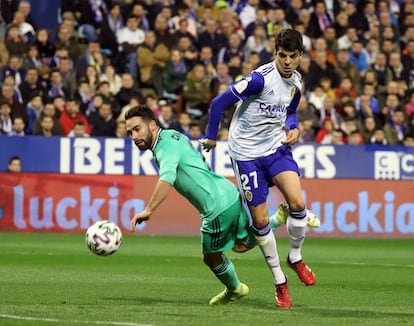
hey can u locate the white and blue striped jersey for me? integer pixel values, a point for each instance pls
(267, 103)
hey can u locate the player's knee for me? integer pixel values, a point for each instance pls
(212, 259)
(297, 204)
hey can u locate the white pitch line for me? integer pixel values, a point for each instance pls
(53, 320)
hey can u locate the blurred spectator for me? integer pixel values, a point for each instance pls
(174, 75)
(14, 68)
(188, 51)
(398, 70)
(166, 119)
(102, 121)
(255, 42)
(132, 103)
(248, 13)
(183, 15)
(347, 69)
(197, 93)
(91, 57)
(128, 90)
(14, 165)
(320, 44)
(337, 137)
(104, 90)
(66, 39)
(50, 111)
(378, 137)
(71, 115)
(89, 15)
(32, 87)
(409, 139)
(154, 104)
(319, 19)
(184, 120)
(84, 94)
(396, 128)
(17, 108)
(355, 138)
(68, 74)
(346, 86)
(368, 128)
(46, 126)
(319, 68)
(212, 38)
(56, 86)
(79, 130)
(114, 79)
(162, 31)
(409, 106)
(112, 22)
(121, 131)
(18, 127)
(6, 126)
(317, 96)
(223, 77)
(33, 109)
(26, 30)
(324, 135)
(234, 47)
(194, 131)
(128, 38)
(152, 59)
(206, 59)
(32, 58)
(45, 47)
(92, 77)
(358, 57)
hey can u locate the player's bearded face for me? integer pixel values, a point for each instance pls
(287, 61)
(140, 132)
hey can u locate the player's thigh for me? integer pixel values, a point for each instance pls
(251, 181)
(288, 182)
(219, 234)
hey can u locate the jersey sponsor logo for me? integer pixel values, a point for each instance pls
(272, 110)
(241, 86)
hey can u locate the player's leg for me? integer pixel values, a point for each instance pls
(218, 236)
(254, 188)
(289, 184)
(280, 217)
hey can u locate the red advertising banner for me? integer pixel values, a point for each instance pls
(70, 203)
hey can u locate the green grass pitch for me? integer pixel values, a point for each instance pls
(50, 279)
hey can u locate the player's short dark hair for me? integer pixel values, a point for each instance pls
(14, 158)
(143, 111)
(289, 40)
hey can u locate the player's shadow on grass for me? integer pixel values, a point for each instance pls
(154, 300)
(362, 314)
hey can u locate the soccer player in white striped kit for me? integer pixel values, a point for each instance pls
(263, 129)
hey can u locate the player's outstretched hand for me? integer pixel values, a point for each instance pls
(292, 137)
(207, 144)
(139, 218)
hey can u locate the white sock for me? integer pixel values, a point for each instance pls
(296, 229)
(268, 246)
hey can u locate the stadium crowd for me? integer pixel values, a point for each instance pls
(105, 57)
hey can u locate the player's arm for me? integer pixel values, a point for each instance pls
(242, 90)
(160, 193)
(168, 159)
(292, 121)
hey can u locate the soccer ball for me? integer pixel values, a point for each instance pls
(103, 238)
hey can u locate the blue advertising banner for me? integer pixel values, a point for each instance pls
(118, 156)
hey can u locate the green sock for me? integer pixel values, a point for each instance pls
(226, 273)
(274, 224)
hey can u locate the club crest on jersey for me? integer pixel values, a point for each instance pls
(292, 91)
(248, 195)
